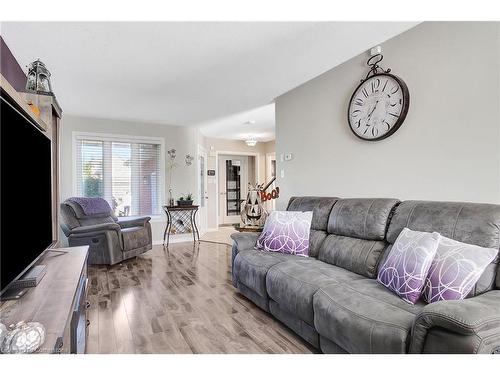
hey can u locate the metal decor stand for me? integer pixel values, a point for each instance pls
(180, 219)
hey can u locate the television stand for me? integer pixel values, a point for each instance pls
(59, 302)
(13, 293)
(60, 251)
(30, 279)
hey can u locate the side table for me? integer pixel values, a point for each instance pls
(248, 228)
(180, 219)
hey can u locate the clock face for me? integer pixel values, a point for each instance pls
(378, 107)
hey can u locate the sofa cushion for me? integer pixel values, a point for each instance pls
(329, 347)
(316, 238)
(364, 218)
(353, 254)
(320, 206)
(293, 284)
(262, 302)
(301, 328)
(251, 266)
(472, 223)
(80, 214)
(362, 316)
(68, 218)
(93, 220)
(135, 238)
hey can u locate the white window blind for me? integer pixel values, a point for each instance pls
(126, 173)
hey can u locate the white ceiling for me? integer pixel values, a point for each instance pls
(237, 126)
(188, 73)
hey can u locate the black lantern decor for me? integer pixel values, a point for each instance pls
(38, 80)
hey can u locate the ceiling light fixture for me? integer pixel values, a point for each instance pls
(251, 142)
(249, 122)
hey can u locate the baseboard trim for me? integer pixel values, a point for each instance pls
(175, 238)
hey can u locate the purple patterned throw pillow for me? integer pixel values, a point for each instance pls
(286, 232)
(405, 268)
(455, 270)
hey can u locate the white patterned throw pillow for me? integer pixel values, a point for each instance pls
(405, 268)
(455, 270)
(286, 232)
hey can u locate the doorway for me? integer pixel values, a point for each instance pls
(202, 189)
(270, 174)
(234, 174)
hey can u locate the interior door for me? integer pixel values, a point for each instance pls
(202, 189)
(233, 181)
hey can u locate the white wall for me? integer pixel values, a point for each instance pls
(183, 139)
(447, 149)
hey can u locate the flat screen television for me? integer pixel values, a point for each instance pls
(25, 193)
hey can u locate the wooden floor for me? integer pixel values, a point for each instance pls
(223, 235)
(179, 300)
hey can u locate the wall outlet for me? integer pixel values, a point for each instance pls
(282, 173)
(288, 157)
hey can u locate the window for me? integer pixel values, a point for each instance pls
(125, 172)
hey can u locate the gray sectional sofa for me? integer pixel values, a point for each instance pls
(333, 300)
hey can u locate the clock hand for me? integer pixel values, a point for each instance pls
(370, 114)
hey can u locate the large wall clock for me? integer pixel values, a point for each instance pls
(379, 104)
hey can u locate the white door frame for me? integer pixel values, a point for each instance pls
(235, 153)
(202, 222)
(244, 167)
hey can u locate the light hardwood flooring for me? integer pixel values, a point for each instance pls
(223, 235)
(179, 300)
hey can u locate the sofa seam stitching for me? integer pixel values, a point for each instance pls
(366, 217)
(483, 338)
(369, 319)
(410, 214)
(357, 291)
(337, 216)
(305, 282)
(456, 221)
(367, 256)
(472, 326)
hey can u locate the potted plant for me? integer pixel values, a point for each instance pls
(185, 200)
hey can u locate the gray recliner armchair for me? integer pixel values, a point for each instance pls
(110, 239)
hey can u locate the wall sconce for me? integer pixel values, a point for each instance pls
(189, 160)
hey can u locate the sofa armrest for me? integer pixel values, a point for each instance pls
(245, 240)
(133, 222)
(477, 317)
(241, 241)
(89, 230)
